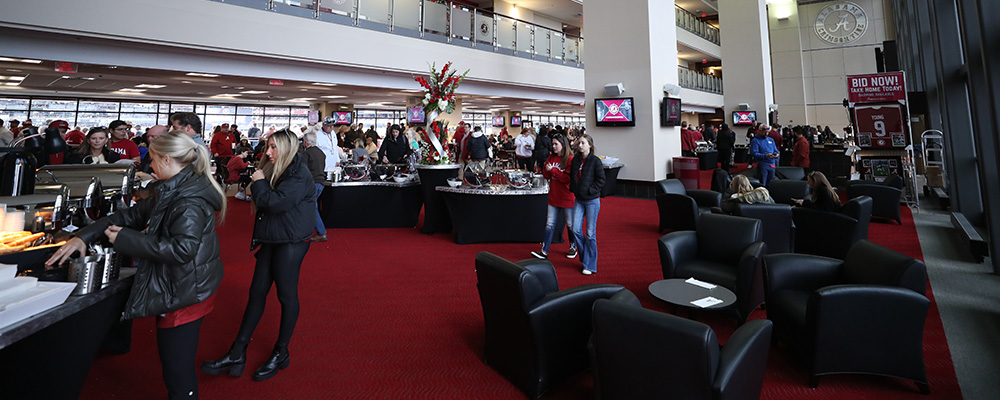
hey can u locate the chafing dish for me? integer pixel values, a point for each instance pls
(46, 210)
(116, 182)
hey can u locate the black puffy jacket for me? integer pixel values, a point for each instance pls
(172, 234)
(587, 183)
(286, 213)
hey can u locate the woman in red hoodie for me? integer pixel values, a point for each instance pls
(561, 199)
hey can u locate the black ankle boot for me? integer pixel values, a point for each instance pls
(234, 361)
(278, 361)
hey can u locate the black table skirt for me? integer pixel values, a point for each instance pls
(610, 181)
(474, 217)
(708, 160)
(370, 206)
(436, 217)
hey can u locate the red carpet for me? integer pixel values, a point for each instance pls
(392, 313)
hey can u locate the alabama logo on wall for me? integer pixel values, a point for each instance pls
(841, 23)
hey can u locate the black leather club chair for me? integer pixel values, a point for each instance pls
(721, 179)
(784, 190)
(776, 223)
(725, 250)
(885, 196)
(680, 207)
(790, 173)
(864, 314)
(831, 234)
(645, 354)
(536, 334)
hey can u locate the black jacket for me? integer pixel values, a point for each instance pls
(286, 213)
(72, 157)
(726, 140)
(824, 201)
(478, 147)
(316, 161)
(172, 233)
(395, 150)
(542, 147)
(587, 183)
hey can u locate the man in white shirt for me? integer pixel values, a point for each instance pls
(522, 152)
(326, 140)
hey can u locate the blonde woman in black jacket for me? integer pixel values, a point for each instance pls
(586, 180)
(172, 234)
(284, 196)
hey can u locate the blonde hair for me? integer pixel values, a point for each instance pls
(286, 145)
(819, 179)
(740, 185)
(180, 147)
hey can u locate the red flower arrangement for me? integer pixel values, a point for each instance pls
(440, 87)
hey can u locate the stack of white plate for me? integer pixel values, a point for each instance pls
(23, 296)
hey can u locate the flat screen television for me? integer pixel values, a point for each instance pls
(515, 120)
(670, 112)
(415, 115)
(744, 117)
(499, 121)
(342, 117)
(615, 112)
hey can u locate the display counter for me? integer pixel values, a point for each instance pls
(611, 179)
(496, 214)
(370, 204)
(436, 216)
(48, 355)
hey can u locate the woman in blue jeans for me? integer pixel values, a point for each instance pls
(561, 200)
(586, 180)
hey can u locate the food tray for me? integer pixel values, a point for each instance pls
(43, 297)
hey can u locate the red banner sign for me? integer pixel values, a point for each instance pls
(876, 88)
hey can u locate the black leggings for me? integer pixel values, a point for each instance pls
(277, 263)
(177, 347)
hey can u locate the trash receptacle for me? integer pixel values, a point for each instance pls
(686, 170)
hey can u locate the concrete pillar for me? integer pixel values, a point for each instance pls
(633, 42)
(787, 66)
(746, 58)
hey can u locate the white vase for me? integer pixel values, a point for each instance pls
(435, 141)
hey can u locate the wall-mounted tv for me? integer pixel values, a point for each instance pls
(415, 115)
(615, 112)
(342, 117)
(499, 121)
(670, 112)
(744, 117)
(515, 120)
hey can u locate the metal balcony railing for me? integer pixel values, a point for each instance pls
(691, 23)
(699, 81)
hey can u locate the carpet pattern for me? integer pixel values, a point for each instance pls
(394, 314)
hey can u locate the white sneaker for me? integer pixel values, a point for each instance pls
(242, 196)
(588, 272)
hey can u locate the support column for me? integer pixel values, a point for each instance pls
(633, 42)
(787, 65)
(747, 56)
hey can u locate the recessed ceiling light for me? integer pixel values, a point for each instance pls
(185, 81)
(324, 84)
(13, 70)
(239, 88)
(334, 97)
(201, 74)
(11, 78)
(11, 83)
(65, 77)
(131, 90)
(228, 95)
(87, 78)
(413, 91)
(254, 91)
(150, 86)
(224, 87)
(496, 97)
(303, 99)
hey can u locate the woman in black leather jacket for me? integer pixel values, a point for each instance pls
(586, 180)
(172, 234)
(395, 147)
(284, 196)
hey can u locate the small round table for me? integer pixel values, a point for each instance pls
(680, 293)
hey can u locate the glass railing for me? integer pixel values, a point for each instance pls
(693, 24)
(445, 21)
(698, 81)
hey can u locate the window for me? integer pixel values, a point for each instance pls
(100, 106)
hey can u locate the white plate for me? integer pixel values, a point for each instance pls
(40, 298)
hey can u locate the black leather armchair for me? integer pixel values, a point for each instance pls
(864, 314)
(535, 333)
(784, 190)
(831, 234)
(885, 198)
(645, 354)
(680, 207)
(725, 250)
(791, 173)
(776, 223)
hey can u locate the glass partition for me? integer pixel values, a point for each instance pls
(484, 28)
(505, 32)
(302, 3)
(339, 7)
(555, 45)
(572, 49)
(406, 14)
(524, 31)
(461, 22)
(435, 17)
(695, 80)
(693, 24)
(374, 10)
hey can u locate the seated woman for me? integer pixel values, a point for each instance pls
(371, 147)
(358, 153)
(237, 167)
(743, 192)
(93, 150)
(824, 197)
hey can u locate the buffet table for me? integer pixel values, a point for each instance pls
(496, 214)
(48, 355)
(370, 204)
(436, 216)
(611, 178)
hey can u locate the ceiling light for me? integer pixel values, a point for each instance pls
(303, 99)
(239, 88)
(254, 91)
(185, 81)
(324, 84)
(413, 90)
(495, 97)
(204, 75)
(224, 87)
(227, 95)
(87, 78)
(149, 86)
(65, 77)
(11, 78)
(334, 97)
(531, 108)
(13, 70)
(11, 83)
(131, 90)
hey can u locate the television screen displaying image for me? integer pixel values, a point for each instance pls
(614, 112)
(515, 120)
(342, 117)
(670, 112)
(499, 121)
(744, 117)
(415, 115)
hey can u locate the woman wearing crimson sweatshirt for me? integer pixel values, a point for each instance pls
(561, 199)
